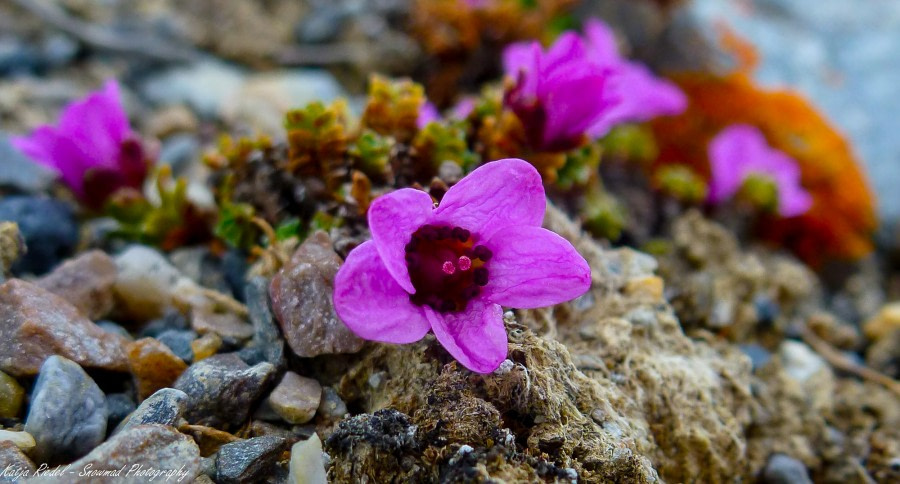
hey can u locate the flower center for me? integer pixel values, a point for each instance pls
(446, 267)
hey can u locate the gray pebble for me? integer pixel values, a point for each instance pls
(68, 412)
(783, 469)
(118, 406)
(222, 390)
(266, 334)
(48, 227)
(248, 460)
(165, 407)
(179, 341)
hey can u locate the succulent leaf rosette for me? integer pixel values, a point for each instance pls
(450, 268)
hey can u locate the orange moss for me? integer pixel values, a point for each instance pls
(842, 218)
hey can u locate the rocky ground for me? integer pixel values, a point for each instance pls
(713, 360)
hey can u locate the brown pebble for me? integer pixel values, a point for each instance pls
(206, 346)
(35, 324)
(296, 398)
(86, 282)
(153, 365)
(226, 325)
(301, 300)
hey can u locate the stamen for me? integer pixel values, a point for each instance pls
(448, 267)
(481, 276)
(483, 253)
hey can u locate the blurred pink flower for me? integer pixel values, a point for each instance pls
(449, 269)
(92, 148)
(428, 113)
(741, 151)
(580, 88)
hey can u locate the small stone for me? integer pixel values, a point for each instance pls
(146, 447)
(307, 462)
(171, 119)
(85, 281)
(248, 460)
(153, 365)
(296, 398)
(301, 300)
(332, 406)
(758, 355)
(178, 151)
(884, 323)
(206, 346)
(12, 246)
(265, 97)
(22, 440)
(164, 407)
(11, 396)
(223, 389)
(48, 227)
(266, 334)
(115, 328)
(203, 86)
(209, 440)
(36, 323)
(18, 172)
(647, 288)
(179, 341)
(147, 283)
(800, 362)
(234, 270)
(118, 407)
(784, 469)
(172, 319)
(15, 461)
(227, 325)
(450, 172)
(68, 412)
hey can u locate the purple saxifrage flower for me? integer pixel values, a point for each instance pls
(92, 148)
(451, 268)
(428, 113)
(580, 88)
(740, 151)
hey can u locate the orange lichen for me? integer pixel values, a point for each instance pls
(840, 223)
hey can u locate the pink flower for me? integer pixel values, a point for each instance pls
(92, 148)
(581, 88)
(428, 113)
(741, 151)
(463, 108)
(449, 269)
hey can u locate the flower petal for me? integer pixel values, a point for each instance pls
(568, 49)
(641, 96)
(793, 199)
(47, 147)
(97, 124)
(476, 337)
(428, 113)
(372, 304)
(730, 153)
(496, 195)
(574, 98)
(392, 219)
(533, 267)
(521, 62)
(601, 42)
